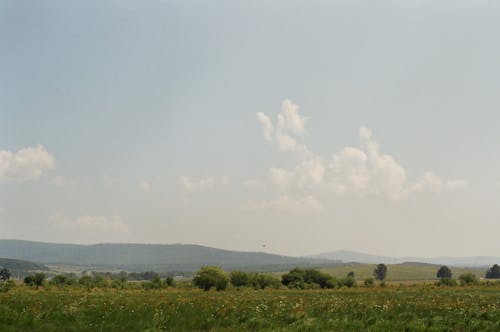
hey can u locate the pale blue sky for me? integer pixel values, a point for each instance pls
(147, 111)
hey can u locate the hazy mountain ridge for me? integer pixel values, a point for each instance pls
(162, 257)
(353, 256)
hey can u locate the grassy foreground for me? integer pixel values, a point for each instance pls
(416, 308)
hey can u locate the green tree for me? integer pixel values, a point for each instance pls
(5, 274)
(87, 282)
(169, 281)
(211, 276)
(35, 280)
(444, 272)
(380, 272)
(294, 278)
(493, 272)
(240, 278)
(262, 281)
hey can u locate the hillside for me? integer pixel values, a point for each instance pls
(157, 257)
(20, 265)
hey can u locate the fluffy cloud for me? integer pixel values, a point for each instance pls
(91, 223)
(289, 124)
(286, 204)
(367, 171)
(25, 164)
(433, 183)
(358, 171)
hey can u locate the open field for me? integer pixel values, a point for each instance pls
(416, 308)
(399, 272)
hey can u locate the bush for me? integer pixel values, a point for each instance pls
(310, 278)
(35, 280)
(6, 286)
(211, 276)
(169, 281)
(240, 279)
(369, 282)
(62, 280)
(468, 279)
(446, 282)
(262, 281)
(119, 284)
(87, 282)
(294, 278)
(4, 274)
(347, 282)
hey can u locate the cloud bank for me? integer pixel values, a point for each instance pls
(353, 171)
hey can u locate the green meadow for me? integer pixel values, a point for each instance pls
(422, 307)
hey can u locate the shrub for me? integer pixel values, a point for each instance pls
(369, 282)
(310, 278)
(6, 286)
(35, 280)
(446, 282)
(468, 279)
(62, 280)
(262, 281)
(211, 276)
(294, 278)
(169, 281)
(87, 282)
(240, 279)
(347, 282)
(5, 274)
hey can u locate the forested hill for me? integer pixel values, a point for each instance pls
(20, 265)
(149, 256)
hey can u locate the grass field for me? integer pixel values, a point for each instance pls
(399, 272)
(416, 308)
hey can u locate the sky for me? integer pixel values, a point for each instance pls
(291, 127)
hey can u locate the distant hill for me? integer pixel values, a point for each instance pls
(158, 257)
(353, 256)
(15, 265)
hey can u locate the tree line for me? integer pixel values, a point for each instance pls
(212, 277)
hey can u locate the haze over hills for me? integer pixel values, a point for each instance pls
(158, 257)
(353, 256)
(188, 257)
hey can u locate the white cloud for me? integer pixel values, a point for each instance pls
(61, 181)
(112, 223)
(433, 183)
(355, 171)
(286, 204)
(367, 171)
(25, 164)
(188, 185)
(289, 123)
(144, 186)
